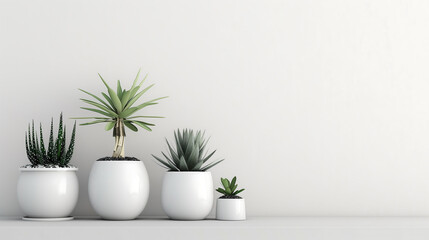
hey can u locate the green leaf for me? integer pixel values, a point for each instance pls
(228, 191)
(167, 165)
(198, 166)
(234, 179)
(145, 117)
(182, 164)
(99, 99)
(239, 191)
(93, 122)
(173, 154)
(90, 118)
(119, 90)
(137, 77)
(136, 97)
(193, 158)
(142, 124)
(99, 111)
(125, 98)
(102, 107)
(129, 111)
(109, 125)
(221, 190)
(211, 165)
(115, 99)
(209, 156)
(225, 182)
(107, 86)
(131, 126)
(109, 100)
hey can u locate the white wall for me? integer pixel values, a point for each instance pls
(319, 107)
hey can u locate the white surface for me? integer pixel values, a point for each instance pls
(230, 209)
(300, 228)
(118, 190)
(187, 195)
(47, 192)
(319, 107)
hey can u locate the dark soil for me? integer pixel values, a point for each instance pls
(118, 159)
(230, 197)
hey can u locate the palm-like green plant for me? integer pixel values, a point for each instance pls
(118, 109)
(229, 190)
(56, 154)
(189, 154)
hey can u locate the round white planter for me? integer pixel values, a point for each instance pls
(230, 209)
(118, 190)
(47, 192)
(187, 195)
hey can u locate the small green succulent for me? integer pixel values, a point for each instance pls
(56, 154)
(190, 154)
(229, 190)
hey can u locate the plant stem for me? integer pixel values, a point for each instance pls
(119, 134)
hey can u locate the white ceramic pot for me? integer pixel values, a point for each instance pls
(47, 192)
(230, 209)
(187, 195)
(118, 190)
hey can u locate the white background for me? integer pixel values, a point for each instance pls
(319, 107)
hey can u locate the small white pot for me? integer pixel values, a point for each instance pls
(118, 190)
(230, 209)
(187, 195)
(47, 192)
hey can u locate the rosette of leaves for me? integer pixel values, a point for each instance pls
(56, 154)
(117, 111)
(229, 188)
(189, 155)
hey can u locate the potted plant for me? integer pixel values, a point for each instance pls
(118, 185)
(187, 190)
(230, 206)
(48, 187)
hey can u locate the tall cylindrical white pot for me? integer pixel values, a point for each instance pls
(187, 195)
(118, 190)
(47, 192)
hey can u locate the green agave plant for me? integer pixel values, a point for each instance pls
(189, 154)
(229, 190)
(118, 109)
(56, 154)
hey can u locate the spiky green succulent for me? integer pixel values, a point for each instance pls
(118, 110)
(57, 154)
(190, 153)
(229, 188)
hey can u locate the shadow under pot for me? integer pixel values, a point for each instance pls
(187, 195)
(47, 194)
(118, 190)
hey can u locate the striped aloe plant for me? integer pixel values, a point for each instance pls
(117, 112)
(57, 153)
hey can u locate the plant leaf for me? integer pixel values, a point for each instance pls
(109, 125)
(221, 190)
(142, 124)
(239, 191)
(115, 99)
(99, 99)
(99, 111)
(102, 107)
(211, 165)
(224, 182)
(131, 126)
(119, 90)
(93, 122)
